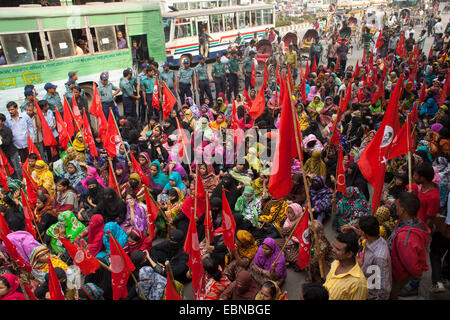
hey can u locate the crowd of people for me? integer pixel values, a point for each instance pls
(76, 199)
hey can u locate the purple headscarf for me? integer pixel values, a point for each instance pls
(24, 242)
(266, 263)
(123, 178)
(92, 174)
(178, 167)
(140, 218)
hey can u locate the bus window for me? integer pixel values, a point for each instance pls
(2, 56)
(234, 2)
(195, 5)
(36, 46)
(230, 22)
(241, 20)
(167, 23)
(121, 37)
(267, 16)
(223, 3)
(61, 43)
(183, 29)
(16, 48)
(258, 17)
(80, 41)
(216, 23)
(106, 38)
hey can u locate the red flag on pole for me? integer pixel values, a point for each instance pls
(87, 136)
(76, 113)
(96, 106)
(137, 168)
(32, 148)
(68, 119)
(415, 113)
(314, 66)
(379, 93)
(29, 292)
(195, 263)
(112, 138)
(303, 92)
(64, 138)
(258, 104)
(27, 212)
(169, 101)
(182, 142)
(402, 142)
(423, 92)
(47, 134)
(445, 89)
(301, 233)
(13, 253)
(54, 287)
(248, 99)
(430, 53)
(363, 60)
(373, 160)
(112, 183)
(121, 266)
(266, 76)
(228, 224)
(356, 73)
(234, 117)
(82, 258)
(31, 185)
(152, 214)
(3, 180)
(340, 175)
(253, 76)
(155, 94)
(4, 228)
(4, 163)
(170, 291)
(379, 40)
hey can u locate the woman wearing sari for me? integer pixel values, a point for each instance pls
(148, 129)
(209, 179)
(246, 248)
(158, 133)
(245, 287)
(219, 122)
(43, 177)
(92, 174)
(350, 207)
(264, 267)
(79, 145)
(249, 206)
(158, 177)
(327, 111)
(94, 233)
(122, 173)
(66, 197)
(293, 213)
(241, 174)
(175, 181)
(137, 241)
(39, 262)
(189, 118)
(320, 198)
(75, 175)
(270, 291)
(173, 166)
(172, 209)
(315, 107)
(326, 251)
(144, 161)
(45, 213)
(315, 164)
(67, 226)
(136, 215)
(117, 233)
(215, 281)
(9, 284)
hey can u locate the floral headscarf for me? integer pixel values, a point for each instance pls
(247, 247)
(152, 283)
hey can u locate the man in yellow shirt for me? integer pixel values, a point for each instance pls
(290, 58)
(346, 280)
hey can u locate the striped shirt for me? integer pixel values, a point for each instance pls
(351, 285)
(377, 269)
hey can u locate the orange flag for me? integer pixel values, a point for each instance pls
(258, 104)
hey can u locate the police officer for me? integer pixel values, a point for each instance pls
(185, 77)
(73, 78)
(148, 85)
(233, 84)
(29, 96)
(53, 98)
(142, 108)
(129, 96)
(203, 86)
(247, 69)
(168, 76)
(218, 75)
(105, 90)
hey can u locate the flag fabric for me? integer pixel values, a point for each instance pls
(96, 106)
(307, 71)
(380, 41)
(280, 182)
(266, 76)
(82, 258)
(54, 287)
(112, 182)
(27, 213)
(335, 132)
(258, 104)
(68, 118)
(112, 138)
(3, 179)
(88, 137)
(30, 185)
(278, 74)
(155, 94)
(373, 161)
(195, 263)
(169, 101)
(4, 228)
(121, 266)
(371, 60)
(152, 213)
(102, 126)
(303, 92)
(430, 53)
(199, 194)
(402, 142)
(340, 173)
(253, 76)
(423, 93)
(379, 92)
(29, 293)
(338, 64)
(137, 168)
(13, 253)
(234, 117)
(302, 234)
(182, 142)
(415, 113)
(47, 134)
(208, 222)
(228, 224)
(348, 95)
(76, 113)
(170, 292)
(445, 90)
(4, 163)
(64, 138)
(356, 72)
(314, 66)
(32, 148)
(247, 98)
(400, 45)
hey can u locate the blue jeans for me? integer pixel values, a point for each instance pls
(109, 105)
(204, 88)
(129, 107)
(185, 90)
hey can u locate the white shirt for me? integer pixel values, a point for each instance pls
(438, 27)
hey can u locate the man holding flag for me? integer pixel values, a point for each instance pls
(247, 70)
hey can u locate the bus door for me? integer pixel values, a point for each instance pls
(139, 51)
(203, 35)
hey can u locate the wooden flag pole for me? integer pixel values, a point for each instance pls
(131, 273)
(4, 165)
(290, 236)
(73, 116)
(34, 221)
(408, 141)
(308, 198)
(171, 278)
(114, 174)
(147, 190)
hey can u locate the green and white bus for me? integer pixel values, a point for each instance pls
(42, 44)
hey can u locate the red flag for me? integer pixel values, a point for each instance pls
(102, 126)
(379, 40)
(314, 66)
(32, 148)
(121, 266)
(169, 101)
(373, 160)
(303, 92)
(170, 291)
(413, 73)
(445, 89)
(340, 174)
(234, 117)
(379, 93)
(400, 45)
(64, 138)
(415, 113)
(278, 74)
(31, 185)
(112, 182)
(208, 223)
(54, 287)
(87, 136)
(3, 180)
(247, 98)
(48, 137)
(155, 94)
(335, 132)
(4, 163)
(96, 106)
(195, 263)
(258, 104)
(112, 138)
(307, 71)
(402, 142)
(29, 293)
(76, 113)
(266, 76)
(68, 119)
(82, 258)
(137, 168)
(360, 94)
(356, 73)
(348, 95)
(4, 228)
(27, 212)
(363, 60)
(280, 182)
(253, 76)
(228, 224)
(12, 251)
(152, 214)
(301, 232)
(430, 53)
(371, 60)
(423, 93)
(338, 64)
(182, 142)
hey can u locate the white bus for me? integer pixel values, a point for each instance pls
(182, 28)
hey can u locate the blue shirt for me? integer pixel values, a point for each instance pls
(185, 75)
(19, 129)
(50, 118)
(54, 100)
(201, 71)
(106, 92)
(127, 87)
(168, 77)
